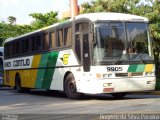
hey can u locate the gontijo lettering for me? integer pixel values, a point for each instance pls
(22, 62)
(7, 64)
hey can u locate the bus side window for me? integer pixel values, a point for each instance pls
(33, 44)
(45, 41)
(15, 48)
(60, 38)
(25, 46)
(38, 43)
(18, 51)
(67, 36)
(53, 45)
(6, 50)
(78, 46)
(10, 50)
(82, 26)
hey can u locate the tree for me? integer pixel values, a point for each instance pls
(12, 20)
(13, 30)
(43, 20)
(9, 30)
(123, 6)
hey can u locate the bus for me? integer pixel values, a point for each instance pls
(1, 65)
(88, 54)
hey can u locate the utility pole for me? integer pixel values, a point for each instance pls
(74, 9)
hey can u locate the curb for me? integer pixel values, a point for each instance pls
(156, 92)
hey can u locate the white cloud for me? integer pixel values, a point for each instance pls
(7, 3)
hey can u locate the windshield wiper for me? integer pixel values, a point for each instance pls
(143, 61)
(147, 61)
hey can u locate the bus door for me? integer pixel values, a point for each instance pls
(86, 52)
(82, 49)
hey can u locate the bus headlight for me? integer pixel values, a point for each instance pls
(107, 85)
(149, 73)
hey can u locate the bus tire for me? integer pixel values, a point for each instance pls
(70, 87)
(118, 95)
(18, 84)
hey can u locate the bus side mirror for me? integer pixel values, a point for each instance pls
(86, 53)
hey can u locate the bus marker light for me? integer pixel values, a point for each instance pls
(107, 84)
(146, 73)
(130, 74)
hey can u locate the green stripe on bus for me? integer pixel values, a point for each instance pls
(132, 68)
(52, 59)
(136, 68)
(41, 72)
(140, 68)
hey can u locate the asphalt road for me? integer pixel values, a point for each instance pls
(42, 105)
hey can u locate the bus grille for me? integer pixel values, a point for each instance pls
(129, 74)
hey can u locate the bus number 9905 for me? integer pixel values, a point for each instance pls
(114, 69)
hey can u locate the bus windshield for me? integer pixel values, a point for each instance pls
(121, 42)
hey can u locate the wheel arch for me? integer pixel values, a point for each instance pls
(16, 75)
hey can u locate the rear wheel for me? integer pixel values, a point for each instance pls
(70, 87)
(18, 84)
(118, 95)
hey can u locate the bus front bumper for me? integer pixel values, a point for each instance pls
(113, 85)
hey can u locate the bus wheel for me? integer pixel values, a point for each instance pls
(70, 87)
(118, 95)
(18, 84)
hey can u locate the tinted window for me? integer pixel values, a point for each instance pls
(26, 46)
(60, 38)
(82, 26)
(137, 36)
(67, 36)
(53, 40)
(38, 43)
(18, 48)
(78, 46)
(45, 41)
(33, 44)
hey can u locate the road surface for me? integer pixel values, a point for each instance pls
(41, 104)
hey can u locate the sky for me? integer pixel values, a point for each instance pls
(22, 8)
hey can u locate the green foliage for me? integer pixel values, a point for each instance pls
(123, 6)
(12, 20)
(13, 30)
(43, 20)
(9, 30)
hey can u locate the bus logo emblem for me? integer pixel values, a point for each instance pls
(65, 59)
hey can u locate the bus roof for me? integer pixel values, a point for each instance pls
(112, 17)
(93, 17)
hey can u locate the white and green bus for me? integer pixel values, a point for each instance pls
(91, 53)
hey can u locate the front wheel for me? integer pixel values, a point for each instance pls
(70, 87)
